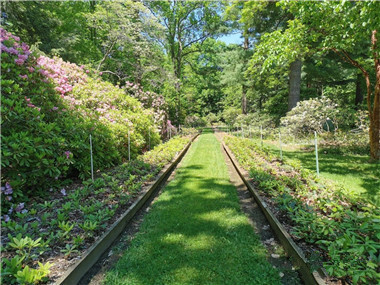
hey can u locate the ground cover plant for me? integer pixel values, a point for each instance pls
(195, 232)
(348, 165)
(343, 226)
(48, 234)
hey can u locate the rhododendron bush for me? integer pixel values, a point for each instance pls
(151, 100)
(49, 109)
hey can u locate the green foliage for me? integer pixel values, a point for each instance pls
(91, 207)
(33, 276)
(341, 224)
(311, 115)
(14, 268)
(45, 135)
(195, 121)
(230, 115)
(164, 153)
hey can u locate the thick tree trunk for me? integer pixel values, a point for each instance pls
(374, 114)
(178, 92)
(359, 91)
(294, 83)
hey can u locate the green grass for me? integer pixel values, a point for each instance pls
(195, 232)
(354, 172)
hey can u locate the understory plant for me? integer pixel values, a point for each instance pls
(321, 213)
(68, 221)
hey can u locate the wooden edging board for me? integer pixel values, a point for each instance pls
(76, 272)
(307, 275)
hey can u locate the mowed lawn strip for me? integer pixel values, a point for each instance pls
(195, 232)
(353, 171)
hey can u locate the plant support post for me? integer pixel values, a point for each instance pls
(279, 136)
(92, 161)
(129, 146)
(316, 152)
(149, 139)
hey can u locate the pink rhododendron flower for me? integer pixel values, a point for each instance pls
(19, 61)
(23, 57)
(12, 50)
(31, 69)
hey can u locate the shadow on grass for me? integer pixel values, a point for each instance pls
(195, 238)
(195, 232)
(347, 169)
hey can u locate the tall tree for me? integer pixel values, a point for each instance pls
(350, 30)
(187, 23)
(128, 34)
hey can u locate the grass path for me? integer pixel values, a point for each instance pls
(195, 232)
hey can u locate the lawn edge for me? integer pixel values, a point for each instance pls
(76, 272)
(308, 276)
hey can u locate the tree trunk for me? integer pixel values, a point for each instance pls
(374, 114)
(178, 91)
(294, 83)
(359, 91)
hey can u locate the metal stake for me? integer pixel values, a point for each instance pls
(316, 152)
(279, 135)
(92, 162)
(129, 146)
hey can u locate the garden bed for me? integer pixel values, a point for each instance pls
(332, 229)
(45, 237)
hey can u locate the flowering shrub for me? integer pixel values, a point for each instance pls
(311, 115)
(150, 100)
(49, 109)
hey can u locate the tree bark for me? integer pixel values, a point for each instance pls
(374, 125)
(294, 83)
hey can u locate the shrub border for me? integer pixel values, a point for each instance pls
(308, 276)
(77, 271)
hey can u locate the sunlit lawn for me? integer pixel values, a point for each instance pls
(195, 232)
(354, 172)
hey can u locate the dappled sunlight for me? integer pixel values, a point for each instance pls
(225, 218)
(195, 233)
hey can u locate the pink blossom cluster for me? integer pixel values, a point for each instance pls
(65, 75)
(150, 100)
(21, 50)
